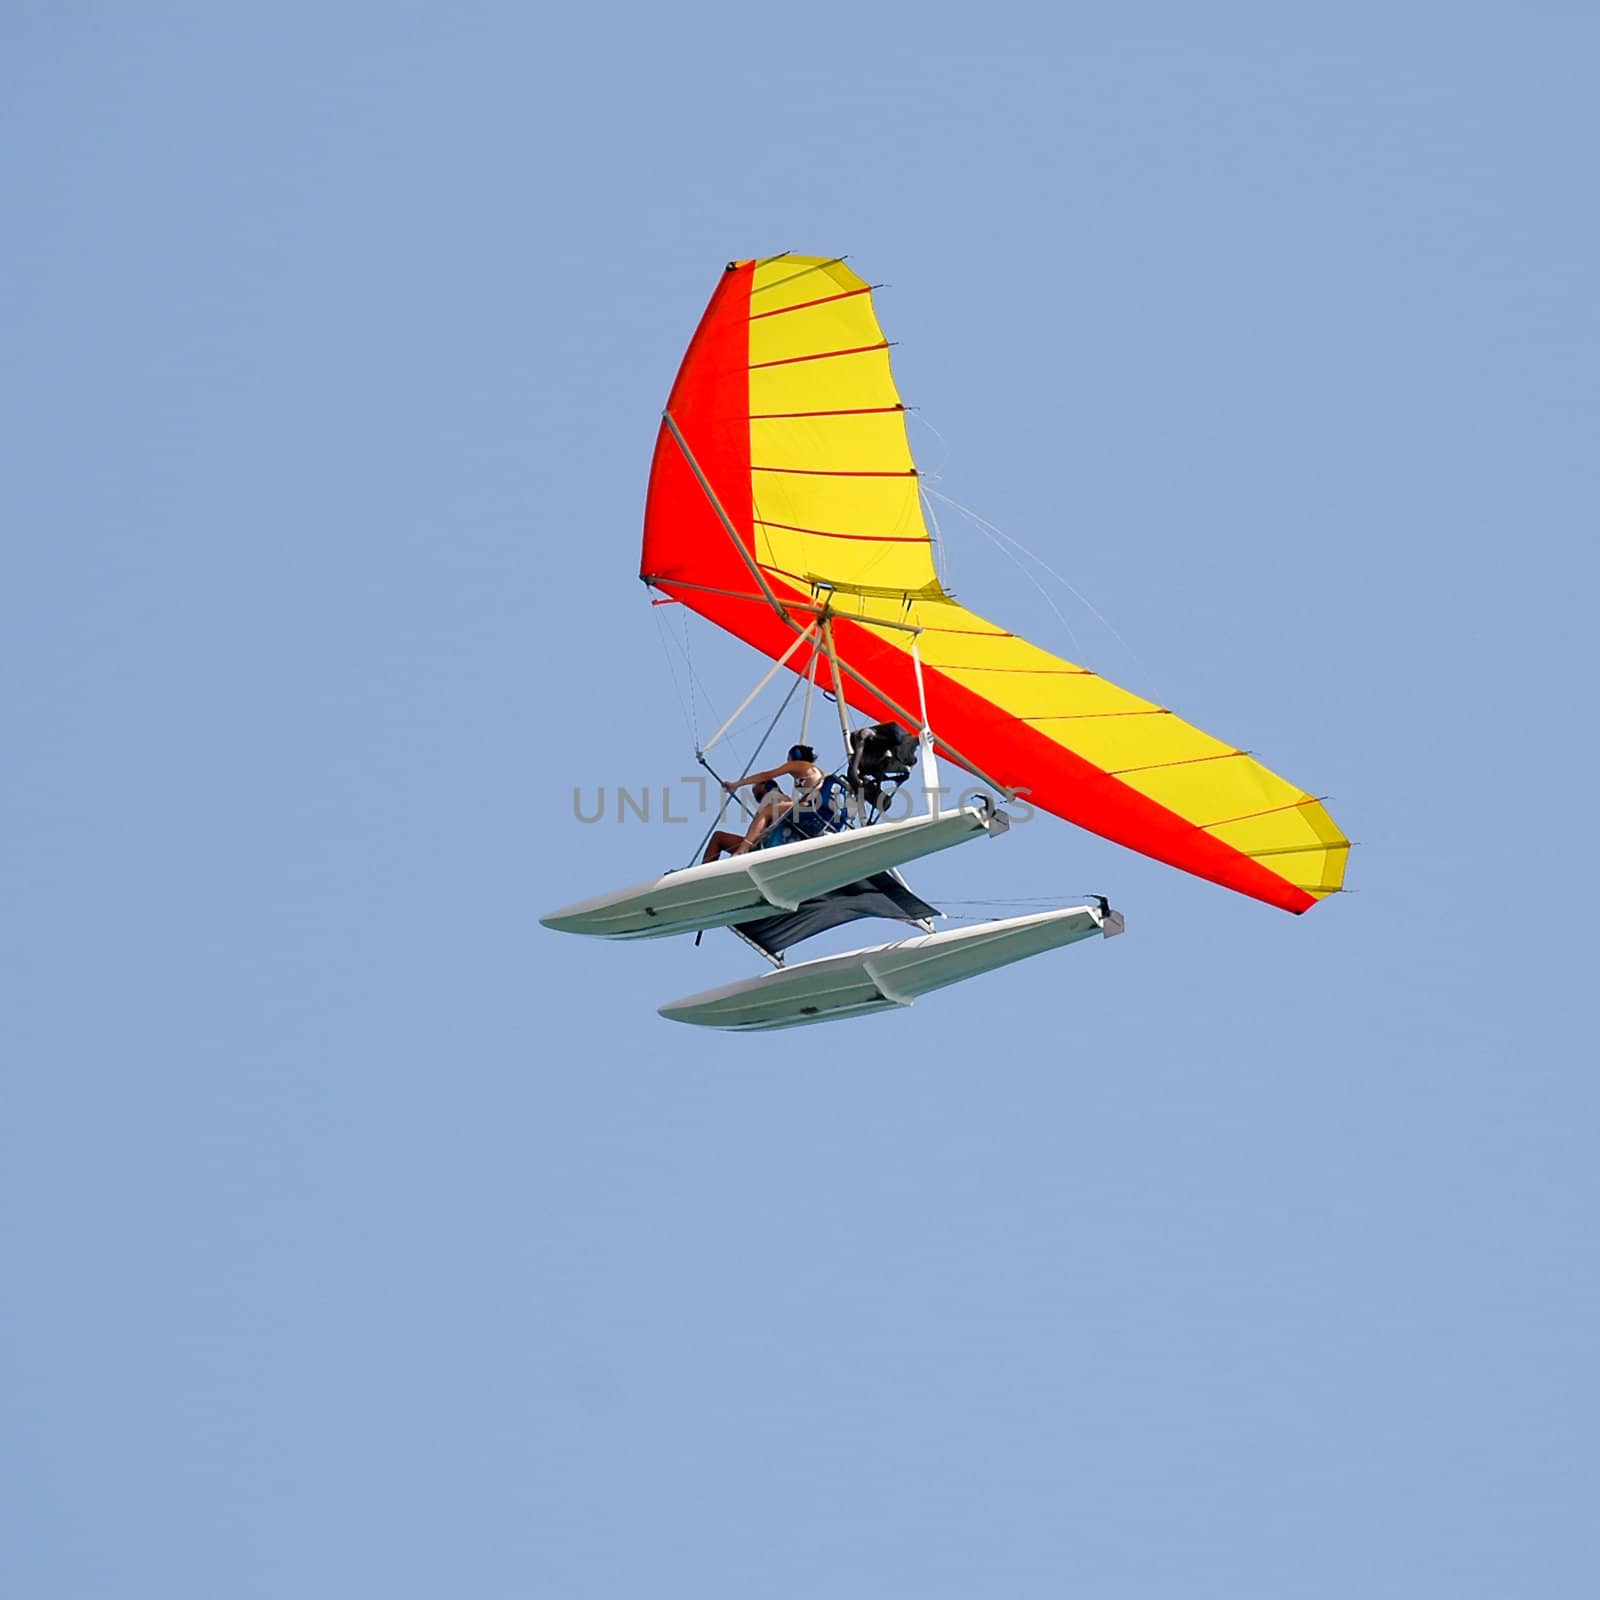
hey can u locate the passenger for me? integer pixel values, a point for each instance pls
(768, 796)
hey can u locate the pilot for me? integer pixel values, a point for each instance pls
(767, 796)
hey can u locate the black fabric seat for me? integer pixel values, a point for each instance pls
(882, 895)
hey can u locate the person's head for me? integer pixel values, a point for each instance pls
(763, 789)
(802, 752)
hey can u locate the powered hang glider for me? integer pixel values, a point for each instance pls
(784, 507)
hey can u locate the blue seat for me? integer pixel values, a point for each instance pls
(829, 813)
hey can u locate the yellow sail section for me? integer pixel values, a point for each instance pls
(833, 486)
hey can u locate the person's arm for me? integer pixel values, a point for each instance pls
(789, 769)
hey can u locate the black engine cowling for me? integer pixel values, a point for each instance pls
(881, 759)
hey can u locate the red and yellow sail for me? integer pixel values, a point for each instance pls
(787, 407)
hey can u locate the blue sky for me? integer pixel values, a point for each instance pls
(362, 1237)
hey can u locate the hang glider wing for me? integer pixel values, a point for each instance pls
(783, 486)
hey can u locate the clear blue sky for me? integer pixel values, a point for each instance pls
(362, 1238)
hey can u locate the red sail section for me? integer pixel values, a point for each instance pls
(710, 402)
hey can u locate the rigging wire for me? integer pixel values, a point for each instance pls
(688, 661)
(1011, 900)
(811, 688)
(685, 706)
(944, 444)
(690, 706)
(1004, 538)
(1001, 539)
(990, 531)
(745, 773)
(941, 545)
(694, 681)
